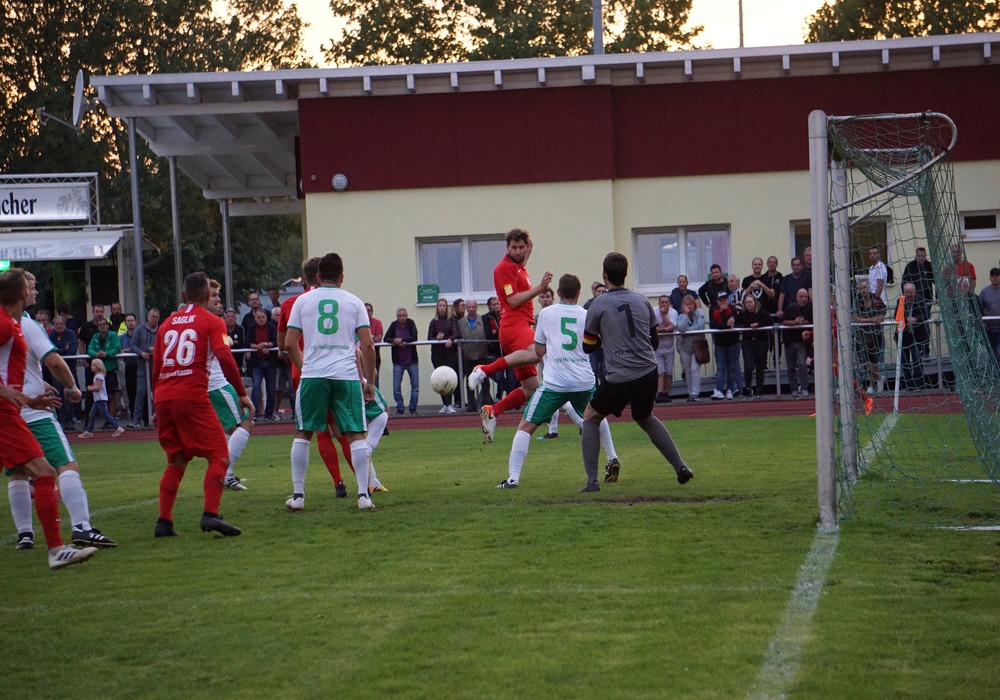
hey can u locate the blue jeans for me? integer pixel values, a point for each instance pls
(727, 368)
(796, 353)
(140, 413)
(397, 384)
(264, 371)
(102, 408)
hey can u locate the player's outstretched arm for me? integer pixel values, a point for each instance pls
(13, 395)
(61, 371)
(367, 347)
(232, 371)
(516, 300)
(45, 401)
(292, 347)
(246, 403)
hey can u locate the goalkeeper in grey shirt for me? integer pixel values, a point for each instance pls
(623, 323)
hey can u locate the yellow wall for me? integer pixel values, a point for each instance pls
(756, 208)
(978, 188)
(376, 233)
(574, 226)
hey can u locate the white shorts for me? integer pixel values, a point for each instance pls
(665, 361)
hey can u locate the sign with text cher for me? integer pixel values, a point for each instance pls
(37, 203)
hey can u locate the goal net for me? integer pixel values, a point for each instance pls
(916, 385)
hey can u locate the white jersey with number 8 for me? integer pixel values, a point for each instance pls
(329, 318)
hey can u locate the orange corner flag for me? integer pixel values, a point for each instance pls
(901, 314)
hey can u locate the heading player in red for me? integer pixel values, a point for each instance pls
(186, 423)
(517, 339)
(19, 450)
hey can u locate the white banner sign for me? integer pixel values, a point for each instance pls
(44, 202)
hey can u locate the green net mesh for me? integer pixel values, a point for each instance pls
(918, 434)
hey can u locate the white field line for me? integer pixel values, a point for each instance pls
(978, 528)
(781, 662)
(11, 539)
(877, 440)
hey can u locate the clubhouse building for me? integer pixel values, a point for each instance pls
(679, 159)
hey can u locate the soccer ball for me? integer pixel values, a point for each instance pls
(444, 380)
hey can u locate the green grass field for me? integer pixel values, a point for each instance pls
(921, 474)
(451, 588)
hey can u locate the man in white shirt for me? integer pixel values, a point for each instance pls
(877, 275)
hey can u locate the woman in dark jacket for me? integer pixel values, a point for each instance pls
(755, 343)
(444, 327)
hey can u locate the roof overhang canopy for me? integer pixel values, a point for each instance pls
(235, 134)
(28, 246)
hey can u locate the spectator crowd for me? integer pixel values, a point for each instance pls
(753, 321)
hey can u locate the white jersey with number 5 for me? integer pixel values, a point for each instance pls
(560, 329)
(329, 318)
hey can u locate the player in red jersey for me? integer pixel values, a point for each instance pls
(186, 423)
(517, 339)
(324, 441)
(19, 450)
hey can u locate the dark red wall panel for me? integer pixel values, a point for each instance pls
(482, 138)
(601, 132)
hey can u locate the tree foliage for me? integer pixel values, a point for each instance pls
(397, 32)
(384, 32)
(652, 25)
(846, 20)
(44, 44)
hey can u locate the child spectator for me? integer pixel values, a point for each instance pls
(99, 391)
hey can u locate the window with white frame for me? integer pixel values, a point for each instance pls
(874, 231)
(461, 266)
(981, 225)
(660, 254)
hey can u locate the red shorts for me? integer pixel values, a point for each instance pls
(516, 336)
(17, 444)
(190, 428)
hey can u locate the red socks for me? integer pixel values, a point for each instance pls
(512, 400)
(345, 447)
(498, 365)
(169, 483)
(329, 454)
(47, 508)
(214, 476)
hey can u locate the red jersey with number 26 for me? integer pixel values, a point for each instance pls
(185, 345)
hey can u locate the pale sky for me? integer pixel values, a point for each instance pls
(765, 22)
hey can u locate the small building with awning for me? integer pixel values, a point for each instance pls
(56, 218)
